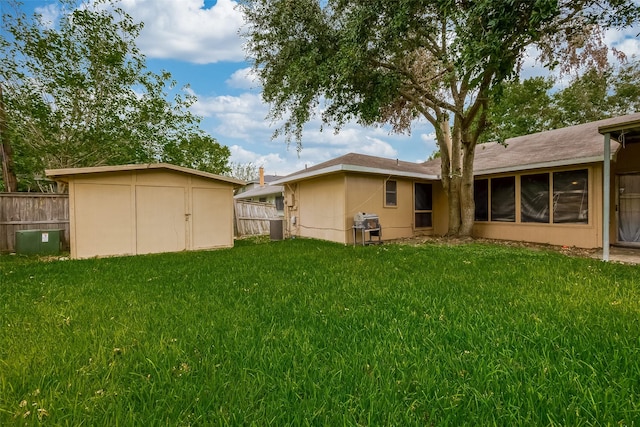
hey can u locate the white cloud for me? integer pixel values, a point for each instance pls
(239, 117)
(185, 30)
(49, 14)
(430, 143)
(244, 78)
(625, 40)
(273, 163)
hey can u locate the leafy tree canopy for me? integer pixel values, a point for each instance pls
(77, 93)
(243, 171)
(535, 105)
(392, 61)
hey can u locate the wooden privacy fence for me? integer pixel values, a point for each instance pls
(253, 218)
(32, 211)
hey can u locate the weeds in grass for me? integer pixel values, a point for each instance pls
(306, 332)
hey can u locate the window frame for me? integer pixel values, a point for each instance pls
(584, 194)
(417, 211)
(585, 207)
(390, 192)
(505, 213)
(526, 197)
(485, 200)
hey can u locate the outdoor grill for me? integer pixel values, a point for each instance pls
(367, 223)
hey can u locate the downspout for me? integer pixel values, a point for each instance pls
(606, 202)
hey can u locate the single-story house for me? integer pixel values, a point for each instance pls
(261, 191)
(146, 208)
(558, 187)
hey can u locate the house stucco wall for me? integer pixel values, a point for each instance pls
(148, 211)
(365, 193)
(318, 208)
(324, 207)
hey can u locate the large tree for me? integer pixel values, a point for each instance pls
(392, 61)
(77, 93)
(538, 104)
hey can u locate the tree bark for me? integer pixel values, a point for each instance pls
(6, 153)
(450, 170)
(467, 200)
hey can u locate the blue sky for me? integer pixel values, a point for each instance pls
(197, 41)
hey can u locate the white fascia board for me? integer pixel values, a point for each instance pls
(353, 168)
(545, 165)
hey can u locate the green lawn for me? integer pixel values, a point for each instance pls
(304, 332)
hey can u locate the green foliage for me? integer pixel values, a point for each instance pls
(305, 332)
(198, 151)
(519, 108)
(533, 105)
(78, 93)
(386, 61)
(243, 171)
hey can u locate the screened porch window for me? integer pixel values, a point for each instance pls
(571, 197)
(391, 193)
(423, 205)
(481, 198)
(503, 199)
(534, 198)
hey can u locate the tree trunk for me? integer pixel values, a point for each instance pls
(6, 153)
(467, 200)
(449, 169)
(455, 174)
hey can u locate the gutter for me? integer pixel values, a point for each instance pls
(354, 168)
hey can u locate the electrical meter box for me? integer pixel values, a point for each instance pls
(38, 242)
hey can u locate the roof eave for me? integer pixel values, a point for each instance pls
(632, 125)
(354, 168)
(543, 165)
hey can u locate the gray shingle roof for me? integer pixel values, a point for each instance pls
(571, 145)
(354, 162)
(578, 144)
(260, 191)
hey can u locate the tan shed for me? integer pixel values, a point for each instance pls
(149, 208)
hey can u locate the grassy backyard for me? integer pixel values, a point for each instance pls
(305, 332)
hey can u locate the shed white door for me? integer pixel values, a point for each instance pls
(212, 216)
(629, 209)
(161, 220)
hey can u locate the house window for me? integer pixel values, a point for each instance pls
(503, 199)
(481, 199)
(571, 197)
(534, 198)
(423, 205)
(262, 199)
(279, 203)
(391, 193)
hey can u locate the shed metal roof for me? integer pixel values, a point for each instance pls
(64, 174)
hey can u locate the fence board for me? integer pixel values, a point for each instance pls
(252, 218)
(32, 211)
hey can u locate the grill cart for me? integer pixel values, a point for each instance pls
(364, 223)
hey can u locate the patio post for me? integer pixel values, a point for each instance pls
(606, 196)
